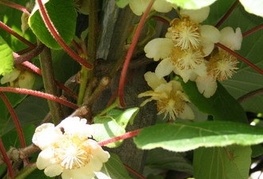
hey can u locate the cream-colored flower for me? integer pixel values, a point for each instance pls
(139, 6)
(19, 78)
(206, 85)
(230, 38)
(198, 15)
(222, 65)
(68, 149)
(170, 98)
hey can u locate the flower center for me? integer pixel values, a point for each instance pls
(222, 65)
(72, 153)
(185, 33)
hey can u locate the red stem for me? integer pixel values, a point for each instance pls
(243, 59)
(121, 137)
(227, 14)
(15, 6)
(251, 31)
(133, 172)
(130, 53)
(29, 55)
(16, 121)
(19, 37)
(6, 160)
(39, 94)
(49, 24)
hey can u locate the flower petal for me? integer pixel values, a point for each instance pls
(158, 48)
(164, 68)
(152, 80)
(231, 39)
(198, 15)
(53, 170)
(206, 85)
(138, 6)
(45, 158)
(187, 113)
(45, 135)
(162, 6)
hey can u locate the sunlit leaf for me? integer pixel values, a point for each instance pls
(181, 137)
(227, 162)
(6, 58)
(191, 4)
(63, 16)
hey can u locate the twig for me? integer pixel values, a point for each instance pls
(57, 37)
(49, 83)
(39, 94)
(250, 95)
(130, 53)
(16, 121)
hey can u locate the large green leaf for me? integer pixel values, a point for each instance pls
(222, 106)
(180, 137)
(6, 59)
(63, 16)
(217, 163)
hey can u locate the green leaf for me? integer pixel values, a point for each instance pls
(180, 137)
(191, 4)
(114, 168)
(113, 124)
(106, 130)
(63, 16)
(167, 160)
(6, 59)
(122, 3)
(217, 163)
(222, 106)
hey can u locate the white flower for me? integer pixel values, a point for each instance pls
(230, 38)
(19, 78)
(139, 6)
(209, 36)
(206, 85)
(68, 149)
(170, 98)
(158, 48)
(198, 15)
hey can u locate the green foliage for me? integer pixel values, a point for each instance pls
(6, 58)
(217, 163)
(180, 137)
(114, 168)
(63, 19)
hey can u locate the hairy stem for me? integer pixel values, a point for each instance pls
(15, 6)
(19, 37)
(57, 37)
(49, 84)
(29, 55)
(130, 53)
(15, 119)
(6, 160)
(127, 135)
(86, 74)
(39, 94)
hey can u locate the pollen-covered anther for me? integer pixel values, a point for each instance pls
(172, 106)
(186, 59)
(185, 33)
(222, 66)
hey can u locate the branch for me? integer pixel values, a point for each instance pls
(49, 83)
